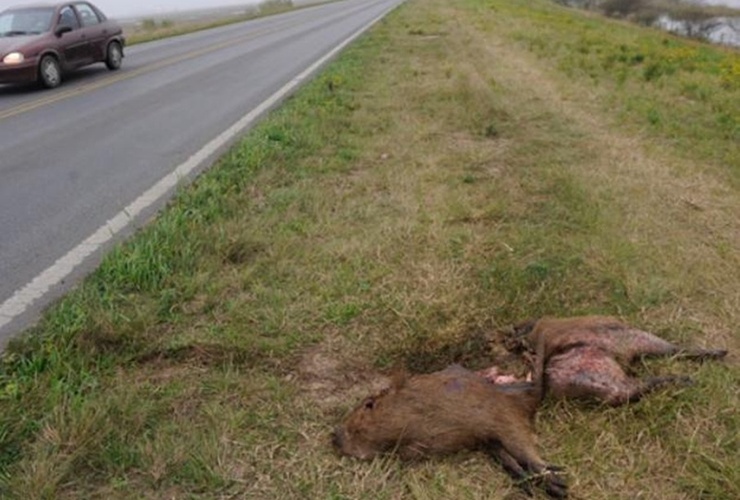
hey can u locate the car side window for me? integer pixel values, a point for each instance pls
(88, 16)
(67, 17)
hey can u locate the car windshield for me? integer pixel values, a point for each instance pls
(18, 22)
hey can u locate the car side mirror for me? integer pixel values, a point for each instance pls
(62, 30)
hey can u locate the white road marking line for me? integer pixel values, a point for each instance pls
(23, 298)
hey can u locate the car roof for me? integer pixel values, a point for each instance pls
(48, 5)
(33, 6)
(44, 4)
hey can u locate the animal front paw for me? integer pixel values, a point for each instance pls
(553, 482)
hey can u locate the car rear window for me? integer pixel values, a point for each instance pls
(88, 16)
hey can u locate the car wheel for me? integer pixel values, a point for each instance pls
(50, 74)
(114, 57)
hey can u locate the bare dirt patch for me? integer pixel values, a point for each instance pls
(330, 379)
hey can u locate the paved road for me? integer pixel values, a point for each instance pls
(75, 159)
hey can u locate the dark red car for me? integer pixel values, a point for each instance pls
(42, 42)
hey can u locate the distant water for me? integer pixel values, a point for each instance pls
(726, 3)
(729, 33)
(720, 30)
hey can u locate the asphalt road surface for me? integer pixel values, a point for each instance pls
(81, 166)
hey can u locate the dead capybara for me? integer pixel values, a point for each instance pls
(448, 411)
(585, 357)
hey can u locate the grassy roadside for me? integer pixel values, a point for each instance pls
(468, 164)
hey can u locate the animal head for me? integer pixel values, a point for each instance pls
(371, 427)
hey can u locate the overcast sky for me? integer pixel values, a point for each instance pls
(125, 8)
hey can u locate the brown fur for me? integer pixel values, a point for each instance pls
(448, 411)
(585, 357)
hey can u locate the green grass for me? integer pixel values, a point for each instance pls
(464, 166)
(682, 92)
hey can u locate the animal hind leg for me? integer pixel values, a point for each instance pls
(701, 354)
(591, 373)
(636, 389)
(646, 344)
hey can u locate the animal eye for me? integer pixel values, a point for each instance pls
(370, 404)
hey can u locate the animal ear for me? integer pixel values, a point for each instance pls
(398, 378)
(524, 328)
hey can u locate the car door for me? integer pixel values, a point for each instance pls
(73, 44)
(93, 29)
